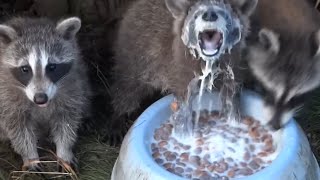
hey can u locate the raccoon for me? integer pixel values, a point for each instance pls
(283, 56)
(159, 45)
(43, 86)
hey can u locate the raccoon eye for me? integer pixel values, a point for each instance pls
(52, 67)
(25, 69)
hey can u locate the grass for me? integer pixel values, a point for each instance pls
(309, 119)
(96, 161)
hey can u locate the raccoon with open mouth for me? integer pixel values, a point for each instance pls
(43, 86)
(159, 45)
(283, 56)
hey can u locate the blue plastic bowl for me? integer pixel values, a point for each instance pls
(294, 161)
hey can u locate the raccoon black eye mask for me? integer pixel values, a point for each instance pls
(57, 71)
(23, 74)
(53, 71)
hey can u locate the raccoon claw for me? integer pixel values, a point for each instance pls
(115, 137)
(32, 165)
(275, 126)
(64, 166)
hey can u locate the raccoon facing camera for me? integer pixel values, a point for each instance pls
(288, 68)
(43, 86)
(159, 45)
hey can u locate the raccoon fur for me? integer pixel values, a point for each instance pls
(159, 45)
(283, 55)
(43, 85)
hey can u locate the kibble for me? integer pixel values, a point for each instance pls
(201, 158)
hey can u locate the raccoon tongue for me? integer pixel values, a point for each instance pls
(213, 43)
(210, 48)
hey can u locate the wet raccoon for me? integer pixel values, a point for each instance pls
(160, 42)
(43, 86)
(284, 56)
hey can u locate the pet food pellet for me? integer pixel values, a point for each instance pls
(231, 173)
(195, 160)
(229, 159)
(206, 157)
(174, 106)
(168, 165)
(262, 154)
(181, 164)
(247, 121)
(154, 150)
(215, 114)
(167, 153)
(179, 170)
(198, 150)
(196, 172)
(171, 170)
(222, 167)
(189, 170)
(204, 176)
(176, 148)
(254, 165)
(231, 149)
(188, 176)
(171, 157)
(252, 147)
(211, 168)
(254, 133)
(246, 156)
(156, 155)
(187, 147)
(245, 171)
(199, 142)
(159, 161)
(163, 143)
(184, 157)
(153, 145)
(243, 164)
(258, 160)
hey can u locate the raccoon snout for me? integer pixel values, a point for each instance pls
(40, 98)
(210, 16)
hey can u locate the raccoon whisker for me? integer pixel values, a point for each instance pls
(12, 165)
(102, 77)
(298, 109)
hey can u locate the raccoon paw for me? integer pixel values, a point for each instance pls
(32, 165)
(70, 167)
(115, 134)
(275, 125)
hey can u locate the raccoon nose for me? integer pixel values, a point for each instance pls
(210, 15)
(40, 98)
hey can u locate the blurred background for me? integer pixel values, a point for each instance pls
(99, 24)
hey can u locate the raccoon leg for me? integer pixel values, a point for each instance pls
(24, 142)
(127, 95)
(64, 133)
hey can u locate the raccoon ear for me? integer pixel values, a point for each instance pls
(177, 7)
(246, 7)
(315, 43)
(68, 28)
(7, 33)
(269, 40)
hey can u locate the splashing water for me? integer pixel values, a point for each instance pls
(184, 120)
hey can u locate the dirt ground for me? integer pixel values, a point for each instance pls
(99, 20)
